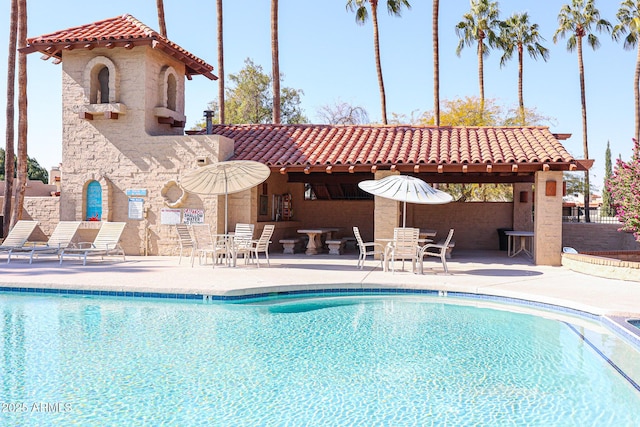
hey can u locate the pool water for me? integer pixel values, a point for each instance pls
(344, 361)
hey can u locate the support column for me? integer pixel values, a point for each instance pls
(386, 212)
(548, 218)
(522, 206)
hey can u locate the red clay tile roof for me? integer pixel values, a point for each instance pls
(121, 31)
(430, 149)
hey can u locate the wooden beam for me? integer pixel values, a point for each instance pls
(68, 47)
(393, 168)
(89, 46)
(112, 115)
(465, 168)
(178, 124)
(352, 169)
(573, 167)
(307, 170)
(110, 45)
(85, 115)
(129, 46)
(283, 171)
(440, 169)
(328, 169)
(545, 167)
(514, 168)
(416, 169)
(374, 169)
(165, 120)
(489, 168)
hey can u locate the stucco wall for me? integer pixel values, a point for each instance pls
(45, 210)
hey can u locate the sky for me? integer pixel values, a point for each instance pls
(329, 57)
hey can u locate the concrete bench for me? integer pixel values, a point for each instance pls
(452, 245)
(336, 246)
(289, 245)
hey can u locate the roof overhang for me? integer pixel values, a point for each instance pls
(55, 50)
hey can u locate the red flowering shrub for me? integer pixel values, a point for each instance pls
(624, 186)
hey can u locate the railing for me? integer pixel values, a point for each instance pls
(577, 215)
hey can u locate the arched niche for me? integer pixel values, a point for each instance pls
(100, 75)
(96, 199)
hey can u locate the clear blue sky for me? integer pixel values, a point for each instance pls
(329, 57)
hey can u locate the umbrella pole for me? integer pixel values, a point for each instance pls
(404, 214)
(226, 204)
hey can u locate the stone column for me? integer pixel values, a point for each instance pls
(386, 212)
(548, 218)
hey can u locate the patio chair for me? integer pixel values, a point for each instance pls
(17, 237)
(367, 248)
(206, 245)
(440, 251)
(60, 239)
(262, 244)
(186, 242)
(241, 242)
(403, 247)
(106, 243)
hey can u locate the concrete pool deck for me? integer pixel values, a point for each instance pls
(487, 272)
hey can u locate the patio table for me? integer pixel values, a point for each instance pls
(316, 237)
(523, 235)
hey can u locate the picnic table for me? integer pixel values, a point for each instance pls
(317, 237)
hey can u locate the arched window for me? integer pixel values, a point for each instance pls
(100, 81)
(171, 92)
(103, 84)
(94, 202)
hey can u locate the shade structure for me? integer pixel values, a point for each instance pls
(225, 178)
(406, 189)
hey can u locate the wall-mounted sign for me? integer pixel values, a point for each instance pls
(136, 208)
(136, 192)
(170, 216)
(193, 216)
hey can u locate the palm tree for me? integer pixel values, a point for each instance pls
(22, 166)
(629, 17)
(275, 62)
(576, 20)
(478, 27)
(517, 34)
(436, 61)
(161, 22)
(220, 63)
(394, 7)
(9, 169)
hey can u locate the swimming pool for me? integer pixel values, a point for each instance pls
(341, 361)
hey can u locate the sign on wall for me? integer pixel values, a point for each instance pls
(170, 216)
(136, 208)
(193, 216)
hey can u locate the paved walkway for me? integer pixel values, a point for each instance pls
(491, 273)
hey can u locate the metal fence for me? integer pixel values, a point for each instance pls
(576, 214)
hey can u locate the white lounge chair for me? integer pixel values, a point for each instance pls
(403, 247)
(60, 239)
(436, 249)
(367, 248)
(106, 243)
(17, 237)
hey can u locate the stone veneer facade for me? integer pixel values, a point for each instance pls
(123, 146)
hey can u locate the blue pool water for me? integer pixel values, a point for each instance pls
(344, 361)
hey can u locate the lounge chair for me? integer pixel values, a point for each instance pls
(403, 247)
(106, 243)
(367, 248)
(436, 249)
(17, 237)
(60, 239)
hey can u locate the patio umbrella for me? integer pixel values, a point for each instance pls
(225, 178)
(405, 188)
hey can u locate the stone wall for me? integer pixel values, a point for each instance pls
(45, 210)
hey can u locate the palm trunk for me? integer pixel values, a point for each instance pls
(481, 78)
(220, 63)
(275, 62)
(585, 145)
(436, 63)
(9, 154)
(636, 90)
(161, 22)
(376, 48)
(22, 114)
(521, 113)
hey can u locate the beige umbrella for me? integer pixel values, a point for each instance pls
(405, 188)
(225, 178)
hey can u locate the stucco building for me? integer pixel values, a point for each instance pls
(125, 149)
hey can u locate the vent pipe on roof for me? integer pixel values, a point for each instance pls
(208, 115)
